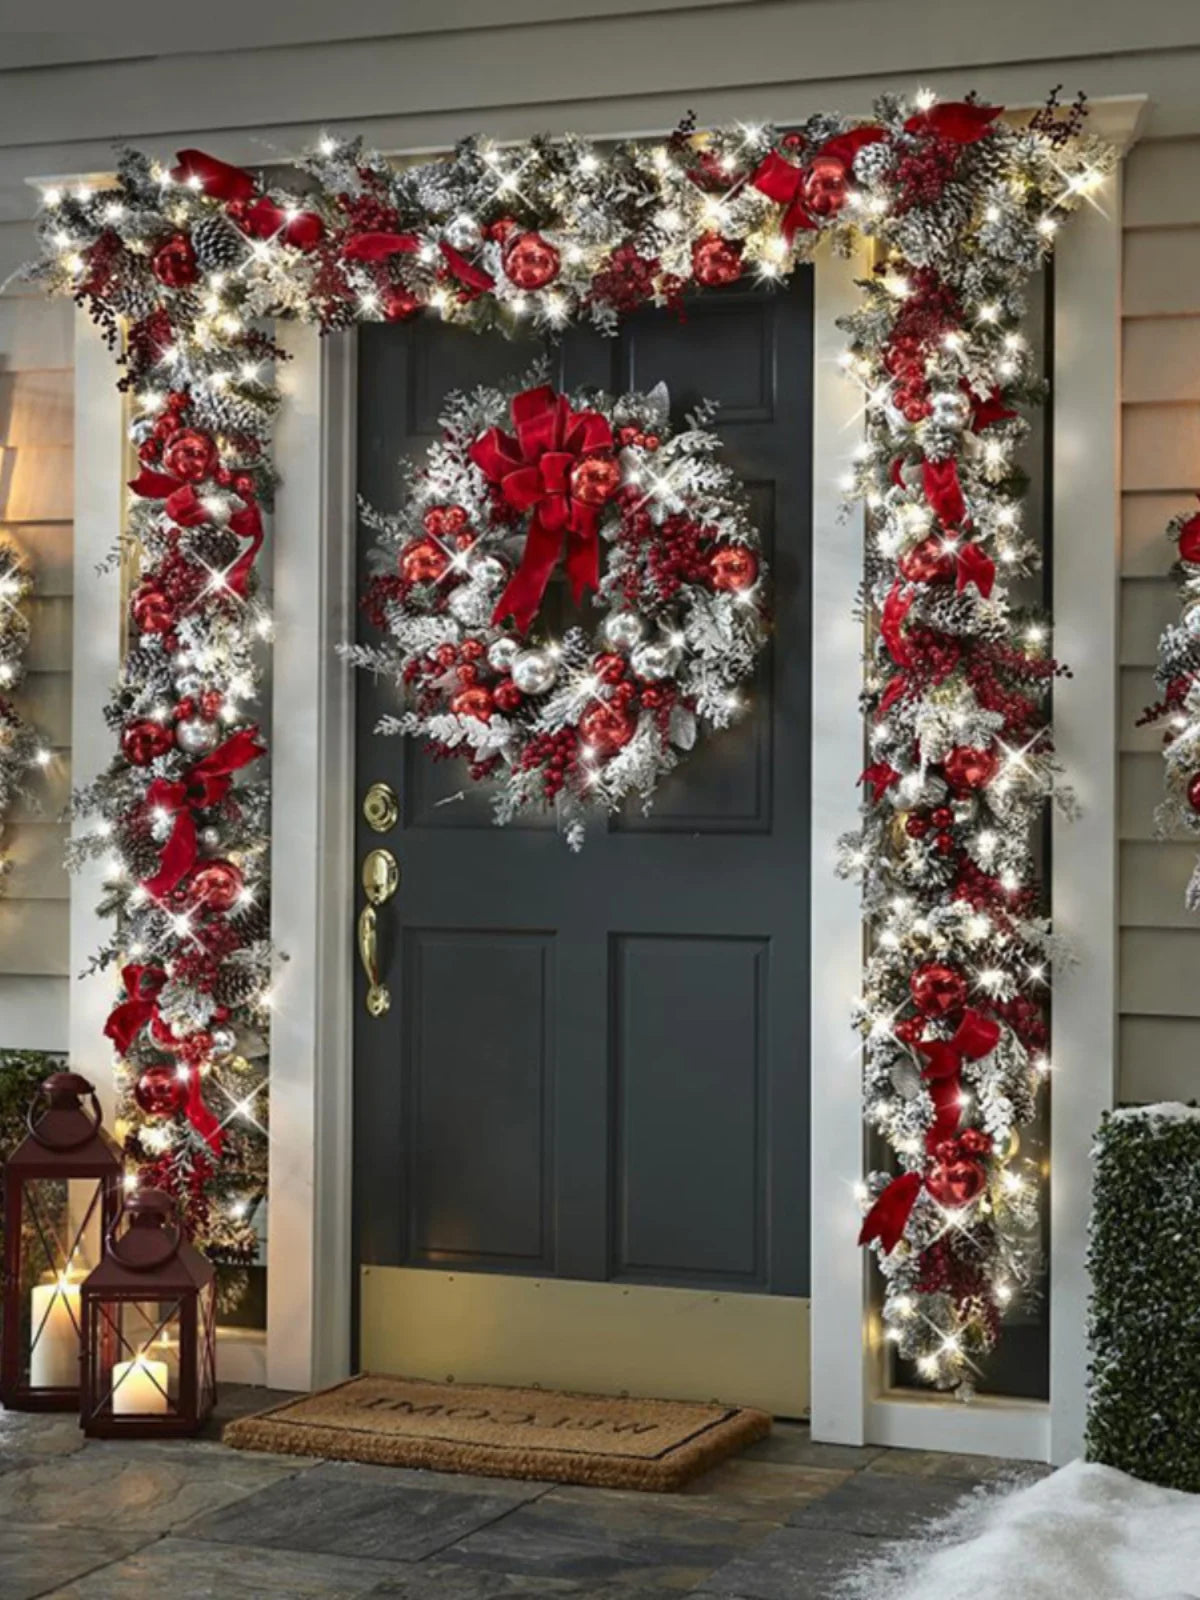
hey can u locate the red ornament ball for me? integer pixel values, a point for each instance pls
(151, 610)
(926, 562)
(609, 667)
(916, 827)
(190, 455)
(955, 1184)
(142, 742)
(825, 186)
(443, 522)
(938, 988)
(422, 561)
(506, 695)
(969, 768)
(399, 304)
(974, 1142)
(473, 701)
(1189, 540)
(607, 728)
(716, 261)
(174, 263)
(216, 885)
(530, 262)
(909, 1029)
(212, 702)
(733, 567)
(160, 1092)
(595, 479)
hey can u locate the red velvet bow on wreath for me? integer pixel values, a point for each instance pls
(560, 468)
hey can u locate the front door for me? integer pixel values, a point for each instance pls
(581, 1130)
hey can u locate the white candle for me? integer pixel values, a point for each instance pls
(139, 1388)
(54, 1354)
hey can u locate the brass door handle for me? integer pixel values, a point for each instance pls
(380, 880)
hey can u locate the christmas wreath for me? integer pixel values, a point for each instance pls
(647, 522)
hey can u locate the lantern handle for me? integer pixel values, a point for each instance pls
(71, 1144)
(172, 1238)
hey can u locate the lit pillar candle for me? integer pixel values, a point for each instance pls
(54, 1329)
(139, 1388)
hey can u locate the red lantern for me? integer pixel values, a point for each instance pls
(62, 1188)
(149, 1329)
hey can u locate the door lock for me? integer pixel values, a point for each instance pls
(380, 807)
(380, 880)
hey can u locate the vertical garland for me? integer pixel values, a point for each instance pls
(963, 208)
(1177, 678)
(20, 749)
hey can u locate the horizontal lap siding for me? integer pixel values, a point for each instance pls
(1159, 995)
(36, 489)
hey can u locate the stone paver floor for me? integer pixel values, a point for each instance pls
(787, 1520)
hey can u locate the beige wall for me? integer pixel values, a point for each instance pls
(419, 76)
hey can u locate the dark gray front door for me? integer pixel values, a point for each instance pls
(595, 1068)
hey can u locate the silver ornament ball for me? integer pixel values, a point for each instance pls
(502, 653)
(224, 1043)
(196, 737)
(462, 233)
(188, 685)
(469, 604)
(210, 839)
(655, 660)
(533, 671)
(951, 408)
(622, 629)
(489, 572)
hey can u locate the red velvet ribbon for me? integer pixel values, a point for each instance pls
(975, 1037)
(247, 524)
(184, 506)
(264, 219)
(975, 566)
(474, 280)
(203, 784)
(142, 986)
(879, 778)
(782, 181)
(891, 623)
(201, 1118)
(215, 178)
(960, 121)
(303, 230)
(944, 492)
(988, 411)
(379, 246)
(533, 472)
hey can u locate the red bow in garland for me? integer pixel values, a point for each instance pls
(975, 1037)
(789, 185)
(534, 473)
(258, 215)
(184, 506)
(944, 492)
(204, 784)
(960, 121)
(126, 1019)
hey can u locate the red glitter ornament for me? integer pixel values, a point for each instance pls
(974, 1142)
(733, 567)
(423, 561)
(609, 667)
(1193, 792)
(969, 768)
(938, 988)
(955, 1184)
(151, 610)
(212, 703)
(1189, 540)
(215, 885)
(506, 695)
(926, 562)
(443, 522)
(716, 261)
(607, 728)
(160, 1092)
(190, 455)
(825, 186)
(473, 701)
(142, 742)
(595, 479)
(916, 827)
(399, 304)
(530, 262)
(174, 263)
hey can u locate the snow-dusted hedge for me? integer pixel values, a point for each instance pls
(1144, 1258)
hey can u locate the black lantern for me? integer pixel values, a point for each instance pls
(62, 1187)
(149, 1328)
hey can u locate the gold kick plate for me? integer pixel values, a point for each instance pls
(380, 807)
(380, 880)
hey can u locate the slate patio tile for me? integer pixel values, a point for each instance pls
(34, 1559)
(933, 1464)
(882, 1506)
(144, 1490)
(792, 1442)
(385, 1513)
(766, 1489)
(27, 1437)
(431, 1580)
(602, 1535)
(793, 1564)
(187, 1568)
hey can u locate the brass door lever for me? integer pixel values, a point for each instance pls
(380, 880)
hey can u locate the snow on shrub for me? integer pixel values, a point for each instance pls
(1144, 1260)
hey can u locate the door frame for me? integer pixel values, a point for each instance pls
(307, 1341)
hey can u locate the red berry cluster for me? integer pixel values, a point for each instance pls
(922, 174)
(928, 312)
(1026, 1019)
(938, 823)
(943, 1271)
(934, 655)
(557, 753)
(181, 580)
(1020, 713)
(368, 213)
(626, 279)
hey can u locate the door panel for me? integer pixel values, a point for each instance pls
(595, 1067)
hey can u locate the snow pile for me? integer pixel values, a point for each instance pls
(1085, 1533)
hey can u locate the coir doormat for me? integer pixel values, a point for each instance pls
(510, 1433)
